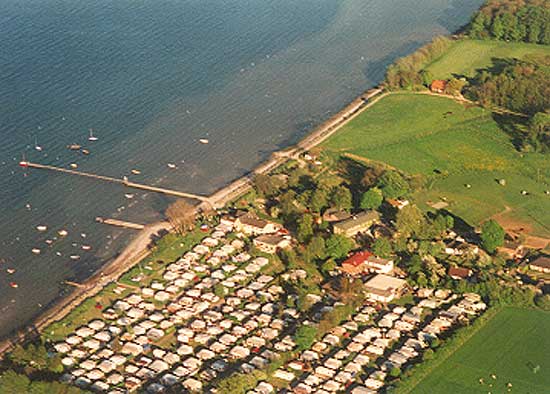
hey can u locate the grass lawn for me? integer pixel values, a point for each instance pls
(452, 145)
(466, 56)
(510, 346)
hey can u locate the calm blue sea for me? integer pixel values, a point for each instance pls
(152, 77)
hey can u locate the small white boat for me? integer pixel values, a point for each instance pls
(63, 233)
(10, 271)
(171, 165)
(36, 146)
(204, 141)
(86, 247)
(73, 165)
(49, 241)
(135, 172)
(58, 254)
(83, 235)
(36, 251)
(129, 195)
(91, 137)
(75, 257)
(41, 227)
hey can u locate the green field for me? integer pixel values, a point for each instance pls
(466, 56)
(510, 346)
(452, 145)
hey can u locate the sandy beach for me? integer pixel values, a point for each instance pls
(138, 248)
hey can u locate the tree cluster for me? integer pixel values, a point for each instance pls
(14, 383)
(35, 357)
(518, 86)
(407, 72)
(513, 20)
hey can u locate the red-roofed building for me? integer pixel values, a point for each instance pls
(459, 273)
(438, 86)
(365, 261)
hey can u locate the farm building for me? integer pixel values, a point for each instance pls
(438, 86)
(459, 273)
(384, 288)
(250, 224)
(541, 264)
(270, 243)
(357, 223)
(365, 261)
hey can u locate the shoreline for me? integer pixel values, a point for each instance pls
(138, 248)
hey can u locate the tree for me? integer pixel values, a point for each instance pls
(239, 383)
(317, 247)
(266, 185)
(319, 199)
(410, 220)
(382, 247)
(341, 198)
(289, 257)
(305, 228)
(181, 216)
(395, 372)
(497, 28)
(370, 176)
(477, 26)
(11, 382)
(372, 199)
(492, 236)
(393, 185)
(543, 302)
(328, 266)
(454, 86)
(305, 336)
(220, 290)
(338, 246)
(427, 77)
(286, 202)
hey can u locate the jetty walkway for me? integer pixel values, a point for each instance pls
(124, 181)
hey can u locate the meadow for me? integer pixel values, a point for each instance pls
(466, 56)
(512, 346)
(461, 150)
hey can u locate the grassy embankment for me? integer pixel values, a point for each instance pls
(512, 346)
(465, 57)
(452, 145)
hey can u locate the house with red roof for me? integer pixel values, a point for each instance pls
(364, 261)
(438, 86)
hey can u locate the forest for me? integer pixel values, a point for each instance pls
(512, 20)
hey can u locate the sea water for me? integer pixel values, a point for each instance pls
(151, 78)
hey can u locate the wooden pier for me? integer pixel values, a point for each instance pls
(124, 181)
(120, 223)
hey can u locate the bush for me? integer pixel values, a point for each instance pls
(305, 336)
(492, 236)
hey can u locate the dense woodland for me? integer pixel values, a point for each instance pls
(513, 20)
